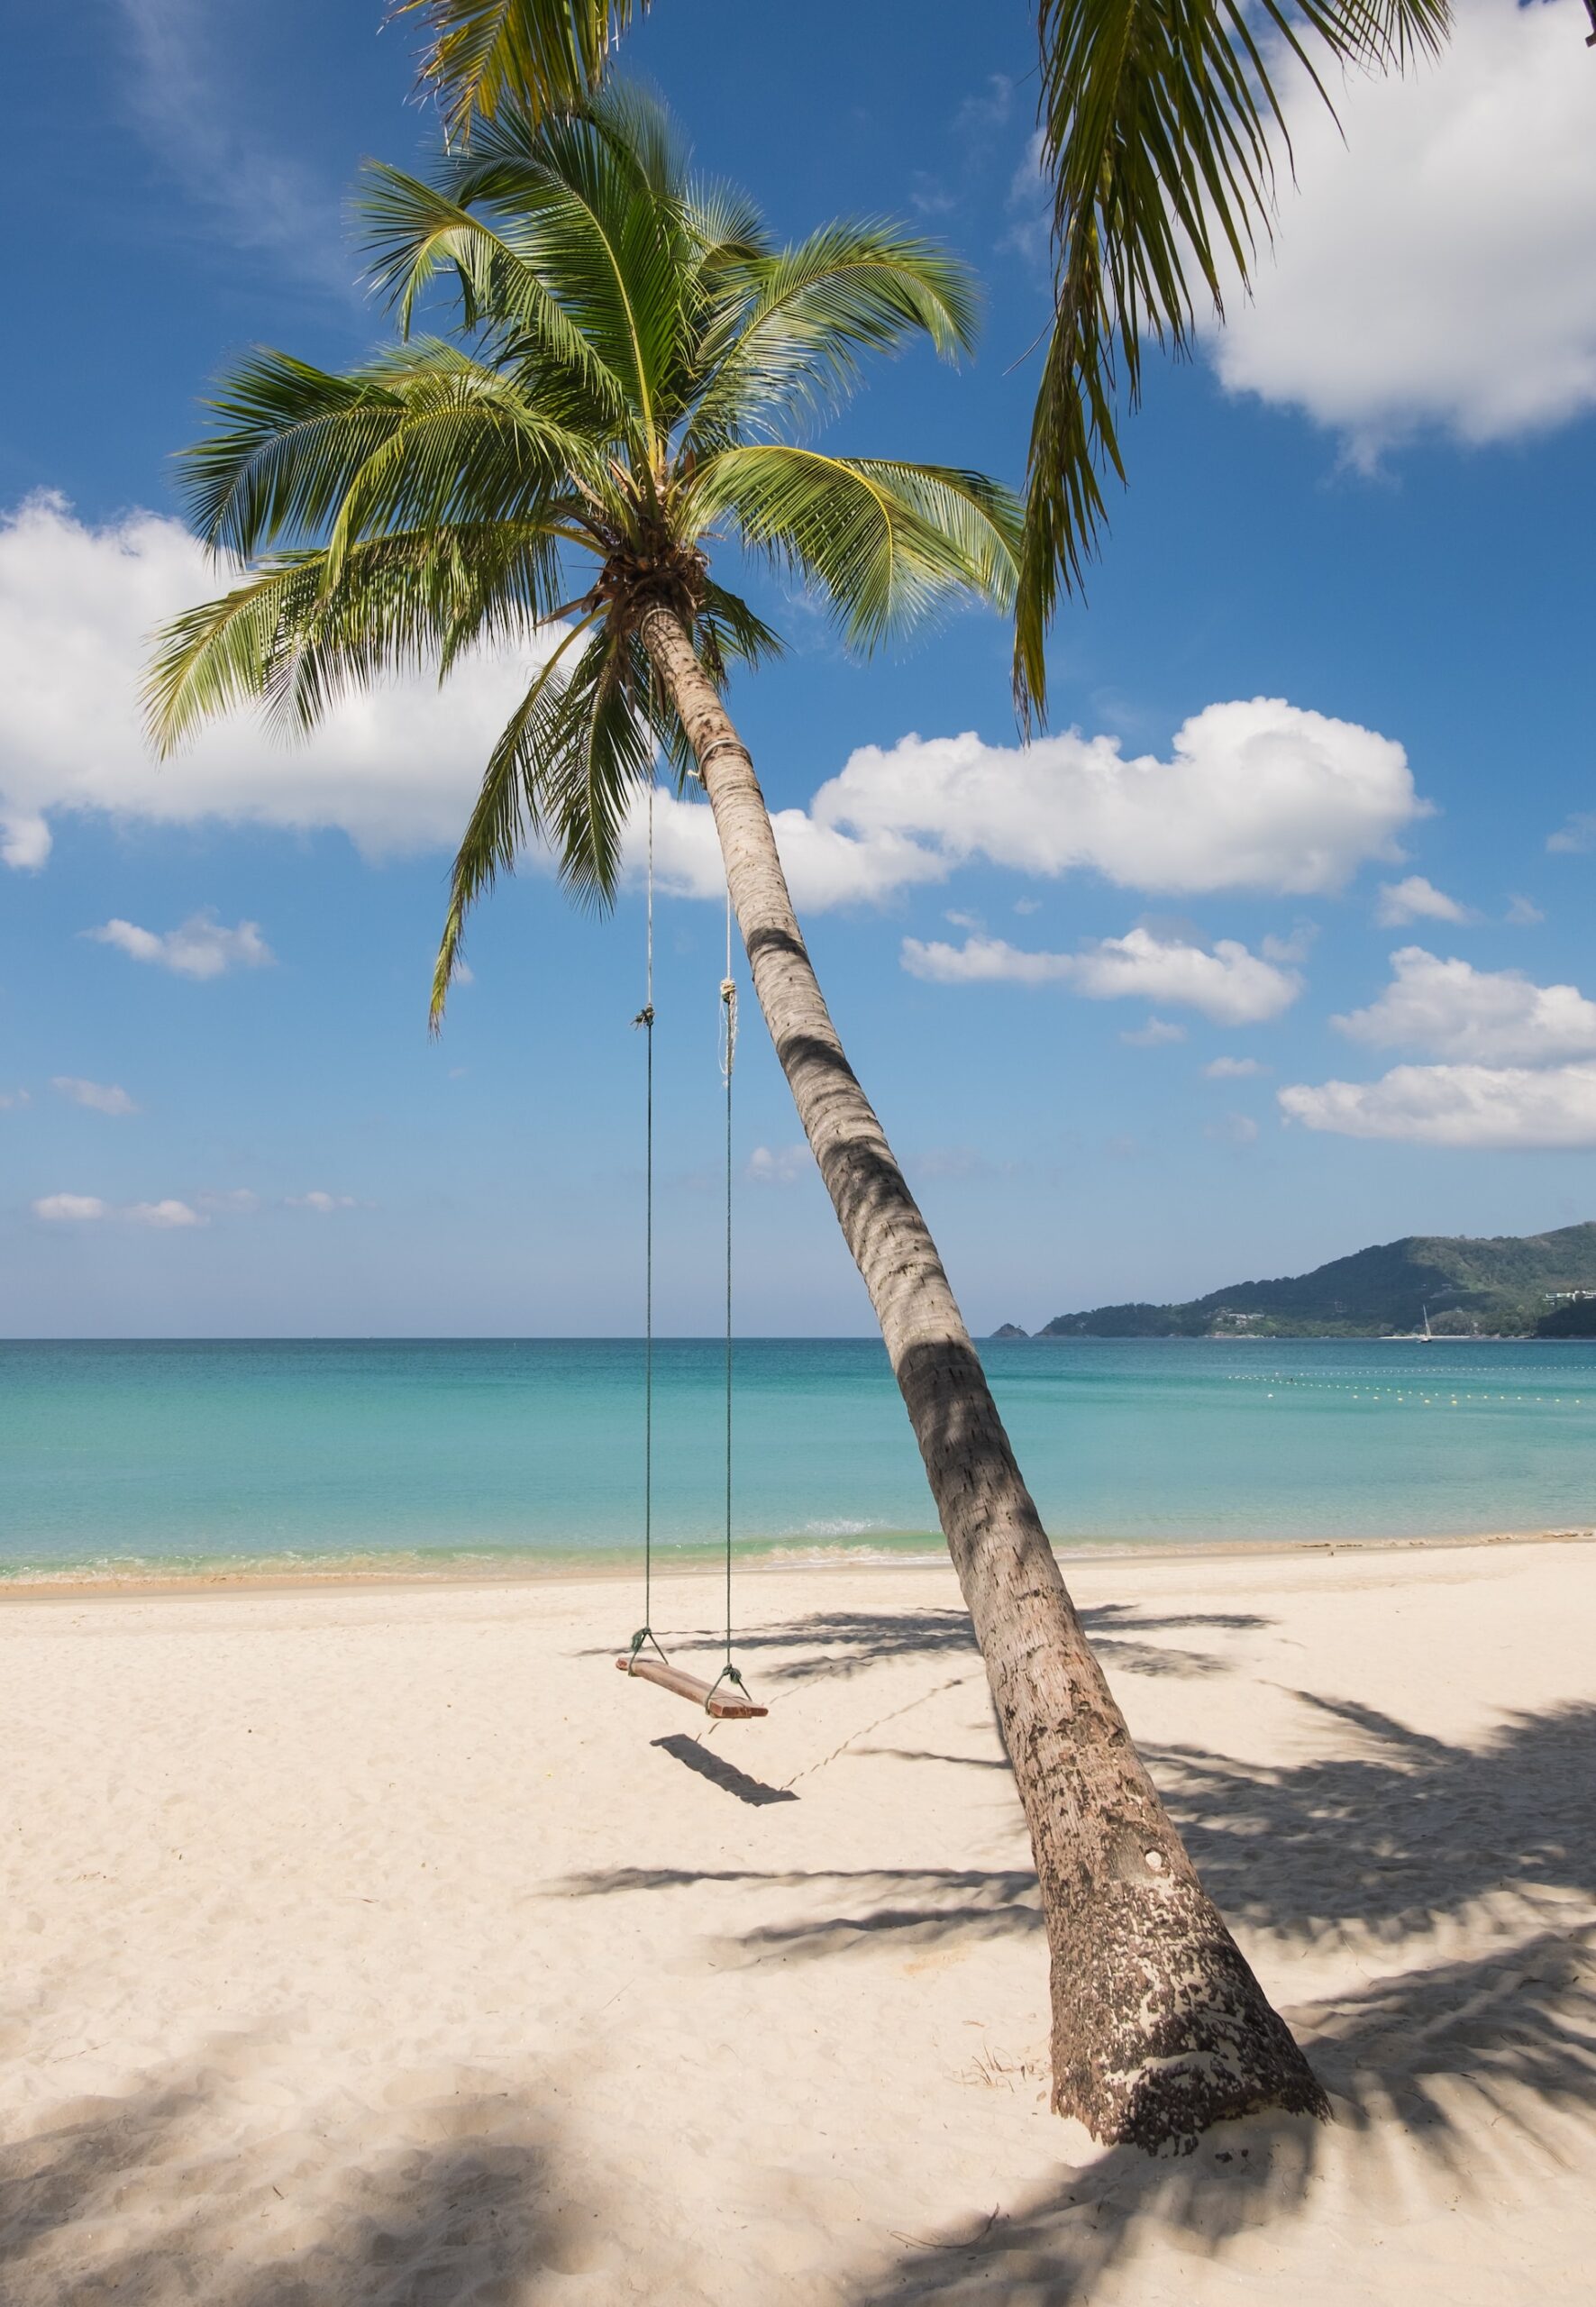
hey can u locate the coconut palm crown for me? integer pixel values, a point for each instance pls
(632, 360)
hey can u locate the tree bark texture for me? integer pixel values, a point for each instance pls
(1159, 2026)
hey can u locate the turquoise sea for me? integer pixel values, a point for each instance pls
(459, 1453)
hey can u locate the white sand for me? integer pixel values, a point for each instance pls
(385, 1945)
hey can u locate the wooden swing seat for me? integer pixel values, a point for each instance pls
(730, 1709)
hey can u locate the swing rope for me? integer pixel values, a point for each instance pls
(728, 1058)
(738, 1702)
(645, 1018)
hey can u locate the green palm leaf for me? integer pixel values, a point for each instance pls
(789, 333)
(1156, 120)
(887, 543)
(541, 56)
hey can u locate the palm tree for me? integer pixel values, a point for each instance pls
(631, 358)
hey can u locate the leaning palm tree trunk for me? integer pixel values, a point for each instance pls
(1159, 2027)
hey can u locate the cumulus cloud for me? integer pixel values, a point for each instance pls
(1457, 1106)
(1255, 795)
(1154, 1034)
(88, 1209)
(236, 1202)
(397, 770)
(10, 1097)
(1416, 899)
(1439, 267)
(1522, 913)
(201, 948)
(1228, 984)
(324, 1204)
(1233, 1069)
(99, 1097)
(1447, 1009)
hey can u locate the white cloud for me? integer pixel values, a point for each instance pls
(239, 1202)
(1233, 1069)
(397, 770)
(10, 1097)
(1457, 1106)
(99, 1097)
(201, 948)
(324, 1204)
(780, 1166)
(1439, 267)
(982, 961)
(1522, 913)
(1453, 1010)
(1257, 794)
(1227, 984)
(85, 1208)
(1154, 1034)
(1576, 836)
(1416, 899)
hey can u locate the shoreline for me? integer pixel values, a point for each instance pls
(529, 1570)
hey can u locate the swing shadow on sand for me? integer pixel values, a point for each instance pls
(694, 1755)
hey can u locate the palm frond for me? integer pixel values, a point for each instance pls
(1156, 116)
(508, 813)
(293, 640)
(590, 205)
(570, 450)
(887, 543)
(791, 329)
(543, 55)
(290, 438)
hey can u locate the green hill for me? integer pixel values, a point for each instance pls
(1513, 1285)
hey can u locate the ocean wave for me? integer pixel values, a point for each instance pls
(824, 1557)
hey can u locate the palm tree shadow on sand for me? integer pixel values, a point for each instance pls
(1387, 1844)
(1378, 1848)
(840, 1645)
(121, 2203)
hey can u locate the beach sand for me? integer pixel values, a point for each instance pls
(383, 1945)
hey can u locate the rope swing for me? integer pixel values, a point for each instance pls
(734, 1704)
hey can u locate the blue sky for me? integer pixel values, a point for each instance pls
(1094, 992)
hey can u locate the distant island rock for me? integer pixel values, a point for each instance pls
(1010, 1329)
(1523, 1285)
